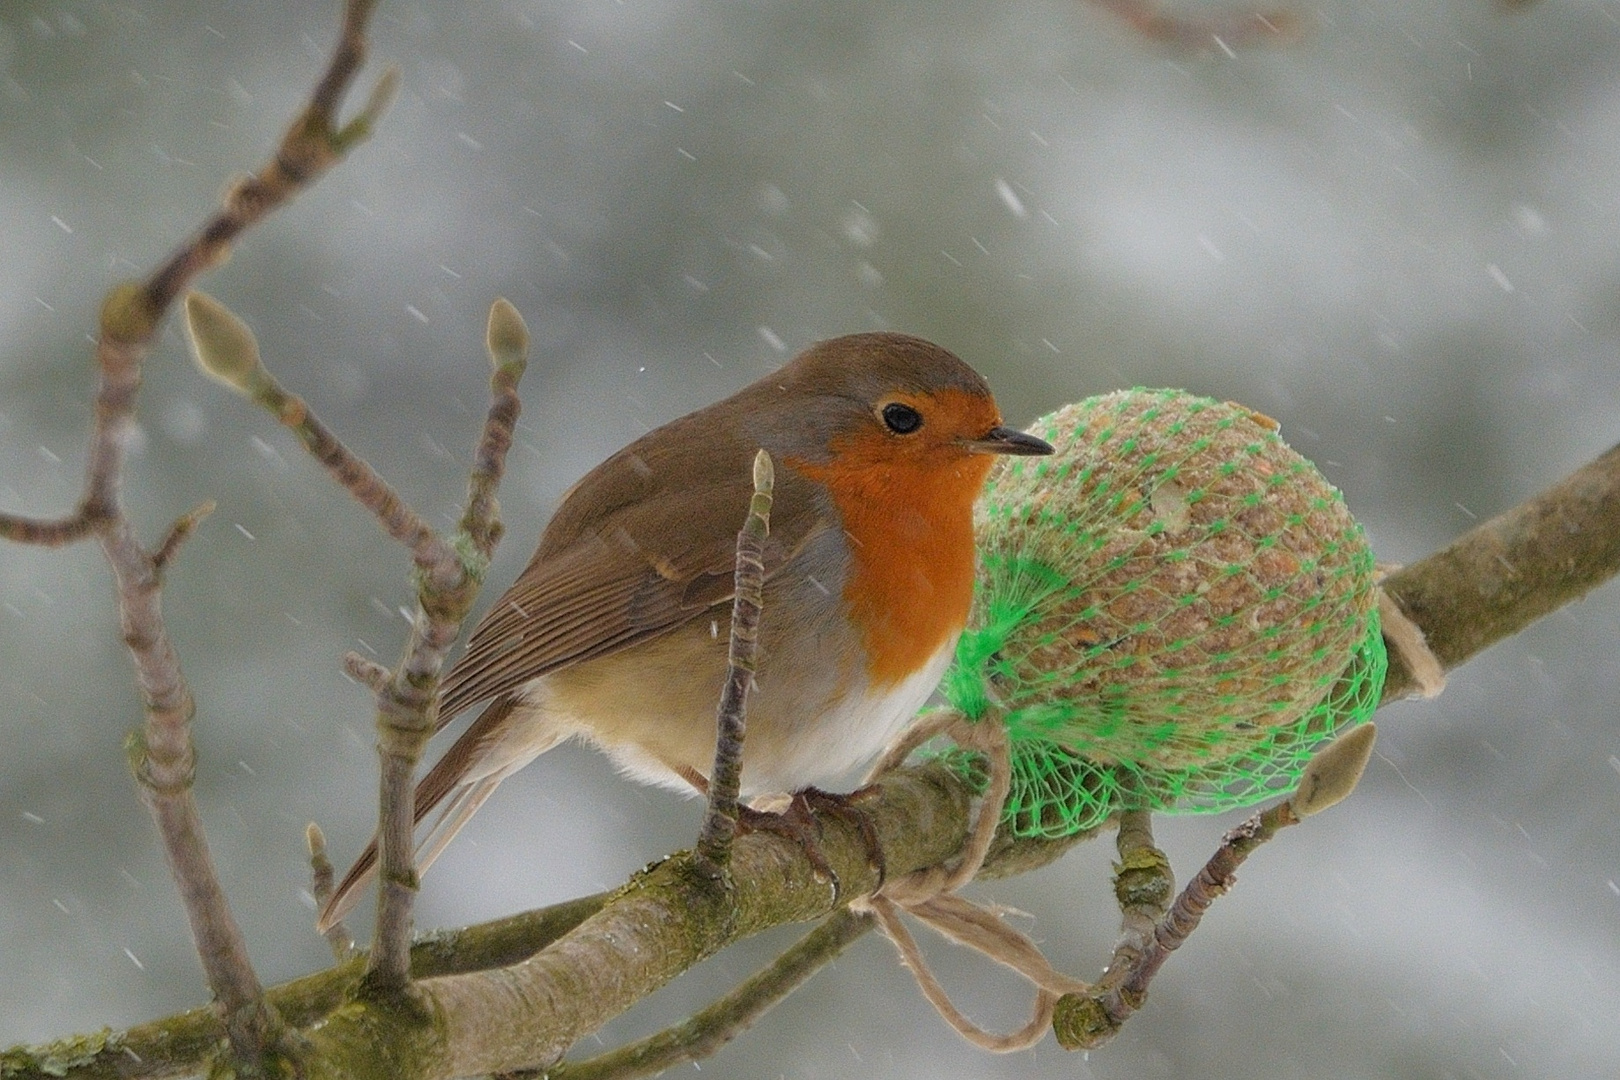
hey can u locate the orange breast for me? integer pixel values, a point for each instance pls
(909, 522)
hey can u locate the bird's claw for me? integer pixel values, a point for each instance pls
(799, 823)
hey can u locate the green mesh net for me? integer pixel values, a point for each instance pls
(1172, 613)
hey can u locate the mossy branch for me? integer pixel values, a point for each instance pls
(1519, 566)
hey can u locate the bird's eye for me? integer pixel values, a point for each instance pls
(901, 419)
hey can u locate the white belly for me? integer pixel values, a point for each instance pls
(788, 744)
(824, 750)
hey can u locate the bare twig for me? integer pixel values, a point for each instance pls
(163, 761)
(403, 726)
(46, 532)
(1083, 1022)
(312, 144)
(720, 815)
(360, 480)
(716, 1025)
(507, 340)
(226, 350)
(449, 573)
(1223, 31)
(180, 532)
(132, 311)
(1143, 885)
(161, 754)
(405, 708)
(336, 935)
(368, 673)
(1088, 1020)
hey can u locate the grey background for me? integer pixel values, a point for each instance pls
(1397, 236)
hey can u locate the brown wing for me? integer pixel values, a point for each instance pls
(642, 545)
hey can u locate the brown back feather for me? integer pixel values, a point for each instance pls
(639, 567)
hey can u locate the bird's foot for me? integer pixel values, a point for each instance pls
(798, 823)
(847, 808)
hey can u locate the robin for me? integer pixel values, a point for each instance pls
(616, 632)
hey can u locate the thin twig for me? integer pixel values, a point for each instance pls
(405, 707)
(162, 758)
(311, 145)
(162, 754)
(507, 340)
(360, 480)
(367, 672)
(1084, 1022)
(448, 578)
(226, 350)
(449, 574)
(1223, 31)
(46, 532)
(716, 1025)
(1143, 885)
(180, 532)
(403, 728)
(725, 779)
(321, 877)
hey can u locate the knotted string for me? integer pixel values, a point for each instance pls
(930, 894)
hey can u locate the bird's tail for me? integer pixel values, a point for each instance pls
(446, 780)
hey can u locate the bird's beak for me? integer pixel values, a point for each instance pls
(1006, 440)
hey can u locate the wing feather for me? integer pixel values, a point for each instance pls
(626, 575)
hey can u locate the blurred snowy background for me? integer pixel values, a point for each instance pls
(1399, 236)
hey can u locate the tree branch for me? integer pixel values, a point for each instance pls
(1503, 575)
(713, 1027)
(664, 921)
(500, 1011)
(185, 1043)
(406, 706)
(449, 574)
(161, 754)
